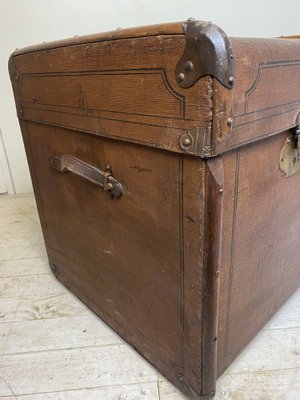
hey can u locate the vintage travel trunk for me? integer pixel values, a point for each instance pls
(164, 162)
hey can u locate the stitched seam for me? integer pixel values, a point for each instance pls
(211, 112)
(88, 167)
(83, 164)
(85, 176)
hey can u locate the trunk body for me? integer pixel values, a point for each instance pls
(167, 202)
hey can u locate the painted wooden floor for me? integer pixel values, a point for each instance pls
(53, 347)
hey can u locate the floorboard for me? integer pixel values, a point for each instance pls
(53, 347)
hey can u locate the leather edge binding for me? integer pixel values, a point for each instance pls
(211, 273)
(208, 51)
(14, 78)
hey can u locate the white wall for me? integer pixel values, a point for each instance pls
(26, 22)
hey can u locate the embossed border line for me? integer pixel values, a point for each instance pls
(137, 71)
(232, 249)
(261, 67)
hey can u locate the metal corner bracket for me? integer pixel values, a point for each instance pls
(196, 142)
(207, 52)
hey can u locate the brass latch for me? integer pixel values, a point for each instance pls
(289, 162)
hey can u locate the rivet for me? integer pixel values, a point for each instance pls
(17, 77)
(221, 190)
(21, 112)
(110, 186)
(189, 66)
(191, 19)
(231, 80)
(181, 77)
(230, 122)
(186, 141)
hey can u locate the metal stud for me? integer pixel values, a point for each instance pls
(189, 66)
(108, 167)
(181, 77)
(230, 122)
(231, 80)
(186, 141)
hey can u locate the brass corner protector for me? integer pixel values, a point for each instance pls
(207, 52)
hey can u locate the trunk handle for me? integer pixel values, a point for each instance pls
(103, 179)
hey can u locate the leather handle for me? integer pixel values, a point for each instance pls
(103, 179)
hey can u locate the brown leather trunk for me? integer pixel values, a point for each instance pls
(164, 162)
